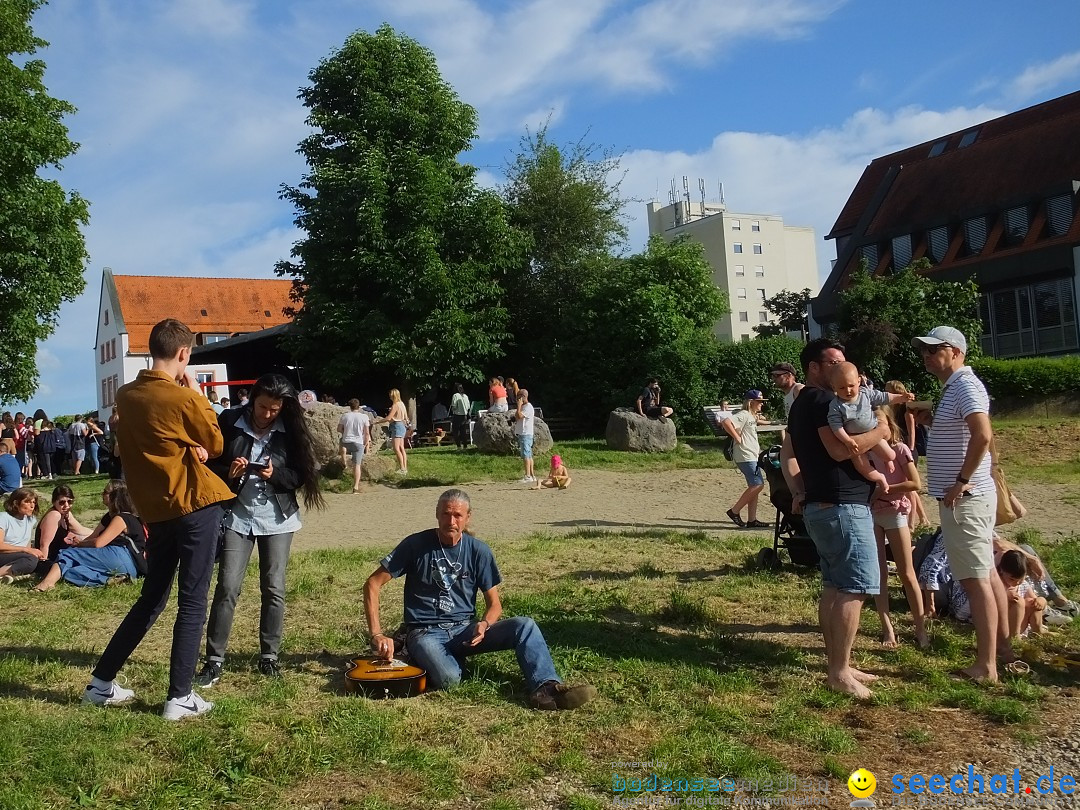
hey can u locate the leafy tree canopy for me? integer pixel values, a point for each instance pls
(879, 316)
(401, 267)
(42, 251)
(789, 311)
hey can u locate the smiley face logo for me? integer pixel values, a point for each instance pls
(862, 783)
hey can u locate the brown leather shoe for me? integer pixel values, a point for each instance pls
(555, 696)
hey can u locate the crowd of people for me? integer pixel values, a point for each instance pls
(42, 449)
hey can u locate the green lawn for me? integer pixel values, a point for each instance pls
(703, 664)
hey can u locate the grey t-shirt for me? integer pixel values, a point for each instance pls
(858, 416)
(440, 582)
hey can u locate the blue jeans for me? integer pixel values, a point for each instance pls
(442, 651)
(91, 567)
(92, 451)
(190, 544)
(844, 536)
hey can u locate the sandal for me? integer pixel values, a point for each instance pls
(1018, 667)
(757, 524)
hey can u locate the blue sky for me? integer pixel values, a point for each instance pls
(189, 121)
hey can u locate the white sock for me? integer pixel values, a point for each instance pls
(97, 683)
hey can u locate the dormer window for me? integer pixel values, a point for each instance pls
(938, 148)
(968, 138)
(1016, 224)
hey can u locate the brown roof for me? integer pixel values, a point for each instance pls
(1015, 156)
(210, 305)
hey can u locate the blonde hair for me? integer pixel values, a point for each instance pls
(895, 434)
(395, 395)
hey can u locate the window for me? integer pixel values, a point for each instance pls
(968, 138)
(744, 317)
(761, 292)
(755, 225)
(104, 393)
(869, 252)
(901, 251)
(1016, 224)
(763, 317)
(204, 377)
(745, 338)
(938, 147)
(112, 347)
(736, 224)
(206, 339)
(757, 248)
(740, 270)
(106, 317)
(938, 238)
(975, 235)
(102, 347)
(741, 292)
(759, 271)
(1034, 319)
(1059, 214)
(737, 247)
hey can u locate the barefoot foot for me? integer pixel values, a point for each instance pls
(849, 686)
(863, 677)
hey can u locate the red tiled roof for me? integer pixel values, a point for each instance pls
(1015, 155)
(210, 305)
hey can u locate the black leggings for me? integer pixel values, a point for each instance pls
(44, 461)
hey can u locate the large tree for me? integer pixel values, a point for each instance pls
(879, 315)
(400, 269)
(788, 309)
(42, 251)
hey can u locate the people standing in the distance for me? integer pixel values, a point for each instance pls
(94, 437)
(512, 389)
(117, 469)
(648, 401)
(958, 475)
(212, 395)
(45, 449)
(10, 471)
(58, 527)
(355, 429)
(241, 398)
(497, 402)
(268, 459)
(525, 429)
(18, 557)
(745, 455)
(784, 377)
(459, 417)
(115, 549)
(60, 458)
(167, 433)
(77, 434)
(398, 418)
(890, 513)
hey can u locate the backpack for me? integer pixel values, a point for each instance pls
(728, 448)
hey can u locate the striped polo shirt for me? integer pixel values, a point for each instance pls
(963, 395)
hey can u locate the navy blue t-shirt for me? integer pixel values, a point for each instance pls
(441, 582)
(826, 480)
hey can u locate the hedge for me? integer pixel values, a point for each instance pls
(1029, 376)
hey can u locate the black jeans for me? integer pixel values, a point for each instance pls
(459, 426)
(190, 543)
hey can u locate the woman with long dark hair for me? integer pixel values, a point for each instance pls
(58, 527)
(267, 460)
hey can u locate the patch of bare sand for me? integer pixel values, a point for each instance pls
(689, 500)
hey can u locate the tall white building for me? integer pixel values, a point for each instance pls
(753, 257)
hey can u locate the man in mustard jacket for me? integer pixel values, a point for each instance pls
(166, 431)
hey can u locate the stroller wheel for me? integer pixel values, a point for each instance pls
(768, 560)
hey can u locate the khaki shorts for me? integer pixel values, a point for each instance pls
(968, 532)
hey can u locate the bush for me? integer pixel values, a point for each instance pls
(742, 366)
(1028, 376)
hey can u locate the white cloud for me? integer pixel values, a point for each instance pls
(1039, 79)
(804, 177)
(218, 18)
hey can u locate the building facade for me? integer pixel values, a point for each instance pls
(996, 203)
(213, 308)
(753, 257)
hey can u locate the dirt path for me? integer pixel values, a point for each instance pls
(682, 499)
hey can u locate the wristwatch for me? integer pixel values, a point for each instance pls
(961, 480)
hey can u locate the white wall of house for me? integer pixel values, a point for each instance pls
(753, 256)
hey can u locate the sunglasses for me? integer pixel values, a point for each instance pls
(64, 501)
(933, 349)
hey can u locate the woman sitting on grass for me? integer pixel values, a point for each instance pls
(17, 556)
(115, 549)
(559, 477)
(58, 527)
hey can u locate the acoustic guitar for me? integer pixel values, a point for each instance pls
(380, 678)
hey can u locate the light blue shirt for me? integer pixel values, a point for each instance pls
(255, 511)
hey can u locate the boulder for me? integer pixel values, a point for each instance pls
(322, 422)
(494, 433)
(378, 466)
(629, 430)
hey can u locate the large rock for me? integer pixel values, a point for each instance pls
(494, 433)
(629, 430)
(322, 422)
(378, 466)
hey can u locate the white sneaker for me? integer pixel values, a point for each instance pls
(1056, 619)
(112, 695)
(526, 480)
(190, 706)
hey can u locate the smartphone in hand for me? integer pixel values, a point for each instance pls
(256, 466)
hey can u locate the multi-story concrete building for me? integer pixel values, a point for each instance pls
(753, 257)
(213, 308)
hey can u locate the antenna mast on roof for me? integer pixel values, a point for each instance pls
(701, 190)
(721, 191)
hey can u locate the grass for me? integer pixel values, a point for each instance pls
(705, 666)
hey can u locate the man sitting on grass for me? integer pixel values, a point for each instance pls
(443, 570)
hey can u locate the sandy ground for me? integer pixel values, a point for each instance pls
(692, 500)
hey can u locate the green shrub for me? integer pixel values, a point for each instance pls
(1028, 376)
(742, 366)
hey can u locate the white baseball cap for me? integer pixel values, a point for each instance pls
(942, 334)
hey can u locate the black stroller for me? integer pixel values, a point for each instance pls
(789, 531)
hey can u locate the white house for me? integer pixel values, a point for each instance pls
(213, 308)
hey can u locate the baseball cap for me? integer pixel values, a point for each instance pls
(753, 393)
(783, 368)
(942, 334)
